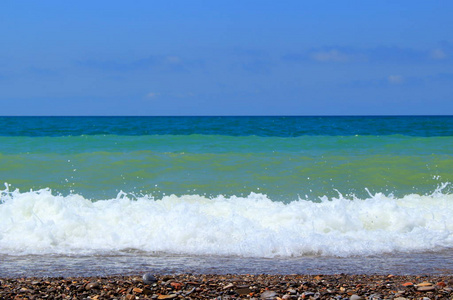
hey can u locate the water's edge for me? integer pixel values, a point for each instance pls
(421, 263)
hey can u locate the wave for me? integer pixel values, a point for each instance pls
(40, 222)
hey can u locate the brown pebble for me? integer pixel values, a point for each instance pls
(171, 296)
(424, 284)
(176, 285)
(243, 291)
(441, 284)
(92, 285)
(426, 288)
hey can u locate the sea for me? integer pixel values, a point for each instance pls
(96, 196)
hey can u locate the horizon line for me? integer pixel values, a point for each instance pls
(216, 116)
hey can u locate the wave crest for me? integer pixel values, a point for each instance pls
(39, 222)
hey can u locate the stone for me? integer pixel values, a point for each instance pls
(408, 284)
(355, 297)
(426, 288)
(424, 283)
(171, 296)
(268, 295)
(243, 291)
(228, 286)
(176, 285)
(148, 278)
(92, 285)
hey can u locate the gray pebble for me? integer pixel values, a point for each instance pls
(268, 295)
(148, 278)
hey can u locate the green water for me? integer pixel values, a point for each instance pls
(284, 168)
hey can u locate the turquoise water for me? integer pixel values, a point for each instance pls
(282, 157)
(256, 187)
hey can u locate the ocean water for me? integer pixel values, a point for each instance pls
(108, 195)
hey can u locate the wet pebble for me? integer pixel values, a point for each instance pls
(268, 295)
(288, 287)
(149, 278)
(92, 285)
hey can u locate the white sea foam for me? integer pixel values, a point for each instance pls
(39, 222)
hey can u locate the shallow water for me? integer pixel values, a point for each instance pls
(421, 263)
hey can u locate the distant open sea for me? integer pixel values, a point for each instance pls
(117, 195)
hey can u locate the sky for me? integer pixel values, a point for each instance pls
(214, 57)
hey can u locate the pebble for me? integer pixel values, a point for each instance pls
(228, 286)
(268, 295)
(424, 283)
(149, 278)
(171, 296)
(92, 285)
(263, 287)
(426, 288)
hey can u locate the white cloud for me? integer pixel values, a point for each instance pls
(395, 79)
(152, 95)
(331, 55)
(173, 59)
(438, 54)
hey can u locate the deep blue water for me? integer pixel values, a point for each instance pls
(233, 126)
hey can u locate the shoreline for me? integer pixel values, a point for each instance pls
(231, 286)
(429, 263)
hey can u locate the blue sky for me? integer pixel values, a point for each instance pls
(226, 57)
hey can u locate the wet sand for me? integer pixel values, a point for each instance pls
(187, 286)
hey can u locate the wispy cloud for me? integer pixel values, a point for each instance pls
(152, 95)
(156, 62)
(256, 66)
(381, 54)
(395, 79)
(330, 55)
(400, 80)
(438, 54)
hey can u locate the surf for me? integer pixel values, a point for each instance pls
(42, 222)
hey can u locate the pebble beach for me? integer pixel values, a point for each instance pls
(188, 286)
